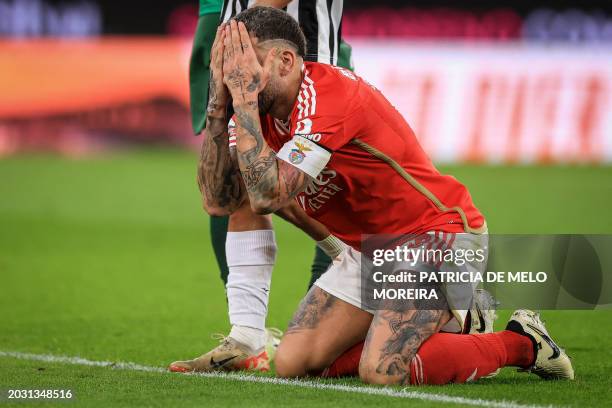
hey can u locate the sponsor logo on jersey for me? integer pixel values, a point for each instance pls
(315, 137)
(320, 191)
(298, 153)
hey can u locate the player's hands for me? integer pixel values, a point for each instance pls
(218, 94)
(244, 76)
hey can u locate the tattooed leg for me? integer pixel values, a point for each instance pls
(322, 329)
(311, 310)
(393, 340)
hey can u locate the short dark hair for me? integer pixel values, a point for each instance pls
(268, 23)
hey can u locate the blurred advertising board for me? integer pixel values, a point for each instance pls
(77, 96)
(494, 103)
(498, 103)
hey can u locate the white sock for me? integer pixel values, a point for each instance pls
(253, 338)
(250, 258)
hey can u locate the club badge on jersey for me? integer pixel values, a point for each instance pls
(305, 155)
(298, 153)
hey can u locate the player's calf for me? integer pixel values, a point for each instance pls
(393, 341)
(454, 358)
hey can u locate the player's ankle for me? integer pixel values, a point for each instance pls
(251, 337)
(519, 348)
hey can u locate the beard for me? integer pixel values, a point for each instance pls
(266, 97)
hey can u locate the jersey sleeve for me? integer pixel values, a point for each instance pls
(318, 124)
(231, 131)
(266, 126)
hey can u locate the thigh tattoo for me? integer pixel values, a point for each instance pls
(312, 308)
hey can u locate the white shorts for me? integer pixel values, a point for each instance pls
(343, 278)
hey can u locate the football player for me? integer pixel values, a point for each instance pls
(324, 137)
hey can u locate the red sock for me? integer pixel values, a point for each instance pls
(347, 365)
(457, 358)
(445, 357)
(519, 349)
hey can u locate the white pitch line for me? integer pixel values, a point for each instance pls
(368, 390)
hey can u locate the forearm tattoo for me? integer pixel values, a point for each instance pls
(409, 330)
(269, 182)
(213, 104)
(218, 178)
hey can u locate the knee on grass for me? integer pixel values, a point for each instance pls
(291, 362)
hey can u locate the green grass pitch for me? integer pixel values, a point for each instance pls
(108, 258)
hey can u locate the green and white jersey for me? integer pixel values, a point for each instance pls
(210, 6)
(320, 20)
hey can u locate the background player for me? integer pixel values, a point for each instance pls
(249, 247)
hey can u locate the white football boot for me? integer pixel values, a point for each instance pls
(551, 362)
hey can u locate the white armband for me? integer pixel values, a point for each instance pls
(305, 155)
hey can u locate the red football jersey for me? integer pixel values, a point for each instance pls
(371, 175)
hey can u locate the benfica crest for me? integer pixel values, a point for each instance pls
(297, 154)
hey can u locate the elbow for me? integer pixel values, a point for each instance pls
(215, 211)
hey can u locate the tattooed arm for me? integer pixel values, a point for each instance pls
(218, 177)
(270, 183)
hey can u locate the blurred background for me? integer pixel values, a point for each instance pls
(104, 248)
(479, 81)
